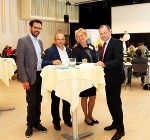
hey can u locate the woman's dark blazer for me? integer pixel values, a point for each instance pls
(79, 53)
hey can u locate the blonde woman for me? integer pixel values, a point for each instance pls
(84, 52)
(131, 48)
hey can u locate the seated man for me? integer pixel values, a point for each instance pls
(137, 60)
(56, 55)
(143, 48)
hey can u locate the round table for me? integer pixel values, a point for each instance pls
(7, 69)
(68, 82)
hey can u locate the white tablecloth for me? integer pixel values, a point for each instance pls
(7, 69)
(69, 82)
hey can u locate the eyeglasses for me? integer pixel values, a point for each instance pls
(37, 28)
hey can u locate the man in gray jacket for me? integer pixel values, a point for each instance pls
(29, 59)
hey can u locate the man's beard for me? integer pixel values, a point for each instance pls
(33, 33)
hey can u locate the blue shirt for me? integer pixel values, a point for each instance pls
(38, 51)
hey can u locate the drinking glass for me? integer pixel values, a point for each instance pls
(72, 62)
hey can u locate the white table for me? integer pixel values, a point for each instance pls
(68, 83)
(7, 69)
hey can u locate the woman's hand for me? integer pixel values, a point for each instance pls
(84, 60)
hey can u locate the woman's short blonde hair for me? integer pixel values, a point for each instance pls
(132, 48)
(80, 30)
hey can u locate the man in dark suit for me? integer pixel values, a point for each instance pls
(29, 50)
(56, 55)
(112, 62)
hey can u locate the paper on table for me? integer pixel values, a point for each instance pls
(60, 68)
(86, 65)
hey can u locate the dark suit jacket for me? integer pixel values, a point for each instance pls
(27, 59)
(79, 53)
(52, 54)
(139, 60)
(113, 59)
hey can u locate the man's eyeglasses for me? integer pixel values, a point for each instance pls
(37, 28)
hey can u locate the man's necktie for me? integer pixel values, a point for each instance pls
(103, 51)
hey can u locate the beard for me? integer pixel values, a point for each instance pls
(35, 33)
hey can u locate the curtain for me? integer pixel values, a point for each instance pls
(54, 9)
(12, 27)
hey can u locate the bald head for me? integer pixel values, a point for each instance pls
(58, 34)
(59, 40)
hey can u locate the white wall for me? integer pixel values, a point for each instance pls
(133, 18)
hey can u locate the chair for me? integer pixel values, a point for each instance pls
(139, 70)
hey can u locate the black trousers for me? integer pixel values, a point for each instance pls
(55, 109)
(115, 105)
(34, 99)
(127, 44)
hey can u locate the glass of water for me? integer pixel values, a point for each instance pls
(72, 62)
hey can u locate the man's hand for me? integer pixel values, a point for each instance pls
(56, 62)
(100, 63)
(84, 60)
(26, 85)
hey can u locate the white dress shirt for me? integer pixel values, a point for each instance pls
(63, 56)
(126, 37)
(106, 46)
(38, 51)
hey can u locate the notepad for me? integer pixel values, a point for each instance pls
(60, 68)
